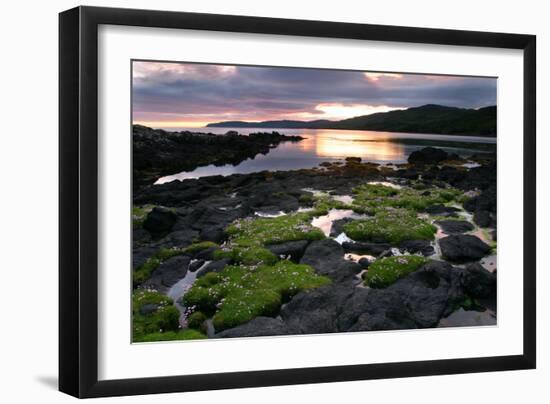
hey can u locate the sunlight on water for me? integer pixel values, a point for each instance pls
(322, 145)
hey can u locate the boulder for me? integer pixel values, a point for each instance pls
(364, 263)
(365, 248)
(327, 258)
(463, 248)
(478, 282)
(442, 210)
(316, 311)
(214, 266)
(418, 300)
(455, 226)
(428, 155)
(195, 264)
(259, 326)
(294, 249)
(168, 273)
(423, 247)
(159, 221)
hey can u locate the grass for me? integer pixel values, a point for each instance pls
(369, 198)
(164, 318)
(391, 225)
(384, 272)
(143, 272)
(187, 334)
(239, 293)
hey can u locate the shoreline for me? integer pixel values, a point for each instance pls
(202, 210)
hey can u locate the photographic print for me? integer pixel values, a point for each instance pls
(272, 201)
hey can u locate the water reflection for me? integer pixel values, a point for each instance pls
(332, 145)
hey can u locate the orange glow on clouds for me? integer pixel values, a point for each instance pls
(172, 124)
(378, 76)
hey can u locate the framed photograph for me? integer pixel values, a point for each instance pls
(251, 201)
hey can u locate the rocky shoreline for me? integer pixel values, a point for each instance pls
(347, 246)
(157, 152)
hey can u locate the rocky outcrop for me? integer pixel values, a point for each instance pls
(463, 248)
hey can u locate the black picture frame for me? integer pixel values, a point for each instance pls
(78, 200)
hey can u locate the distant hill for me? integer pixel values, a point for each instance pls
(425, 119)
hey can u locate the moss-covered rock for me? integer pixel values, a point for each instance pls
(385, 271)
(196, 320)
(198, 247)
(152, 312)
(370, 198)
(143, 272)
(139, 213)
(239, 293)
(248, 237)
(391, 225)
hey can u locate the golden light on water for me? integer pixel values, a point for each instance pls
(324, 143)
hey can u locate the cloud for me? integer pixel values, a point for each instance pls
(189, 92)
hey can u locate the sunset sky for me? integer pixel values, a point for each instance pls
(172, 95)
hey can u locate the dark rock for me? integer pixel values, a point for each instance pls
(181, 237)
(294, 249)
(207, 254)
(494, 235)
(364, 263)
(423, 247)
(148, 309)
(141, 255)
(365, 248)
(418, 300)
(213, 233)
(195, 264)
(327, 258)
(442, 210)
(484, 218)
(214, 266)
(478, 282)
(338, 226)
(159, 221)
(455, 226)
(428, 155)
(316, 311)
(463, 248)
(259, 326)
(168, 273)
(353, 159)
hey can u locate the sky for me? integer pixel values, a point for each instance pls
(173, 95)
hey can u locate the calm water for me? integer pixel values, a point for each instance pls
(332, 145)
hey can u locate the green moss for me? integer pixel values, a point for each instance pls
(248, 237)
(165, 317)
(187, 334)
(143, 272)
(199, 246)
(258, 231)
(371, 197)
(392, 225)
(239, 293)
(196, 320)
(385, 271)
(247, 255)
